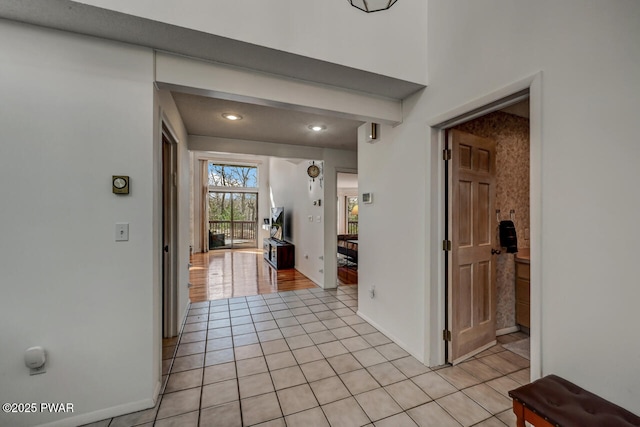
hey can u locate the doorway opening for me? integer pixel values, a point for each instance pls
(487, 191)
(347, 214)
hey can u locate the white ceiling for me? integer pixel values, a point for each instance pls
(203, 116)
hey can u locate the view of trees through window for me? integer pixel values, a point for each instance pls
(232, 206)
(221, 175)
(352, 214)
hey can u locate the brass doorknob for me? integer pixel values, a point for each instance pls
(496, 251)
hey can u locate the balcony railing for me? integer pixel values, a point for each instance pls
(352, 227)
(244, 230)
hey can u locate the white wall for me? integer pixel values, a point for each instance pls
(233, 83)
(289, 186)
(391, 254)
(587, 52)
(390, 43)
(74, 112)
(309, 234)
(281, 192)
(264, 199)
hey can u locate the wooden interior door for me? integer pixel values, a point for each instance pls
(472, 231)
(169, 235)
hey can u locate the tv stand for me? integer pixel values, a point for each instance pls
(278, 253)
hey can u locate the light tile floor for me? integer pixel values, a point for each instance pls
(304, 358)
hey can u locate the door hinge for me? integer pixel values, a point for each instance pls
(446, 335)
(446, 245)
(446, 154)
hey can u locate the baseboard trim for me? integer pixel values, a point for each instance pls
(103, 414)
(156, 391)
(184, 318)
(509, 330)
(391, 337)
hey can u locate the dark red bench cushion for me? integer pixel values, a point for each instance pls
(565, 404)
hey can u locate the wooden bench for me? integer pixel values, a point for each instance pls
(554, 401)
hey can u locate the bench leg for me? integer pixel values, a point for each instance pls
(518, 409)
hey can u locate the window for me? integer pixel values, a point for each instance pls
(237, 176)
(352, 214)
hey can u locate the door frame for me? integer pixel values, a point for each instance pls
(169, 219)
(331, 224)
(434, 343)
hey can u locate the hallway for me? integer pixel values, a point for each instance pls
(304, 358)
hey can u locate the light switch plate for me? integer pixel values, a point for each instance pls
(122, 232)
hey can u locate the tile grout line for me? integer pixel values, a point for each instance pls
(203, 360)
(163, 387)
(235, 365)
(485, 382)
(284, 338)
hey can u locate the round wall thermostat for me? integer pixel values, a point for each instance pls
(120, 184)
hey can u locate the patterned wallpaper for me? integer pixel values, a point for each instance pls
(511, 134)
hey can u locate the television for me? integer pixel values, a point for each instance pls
(277, 223)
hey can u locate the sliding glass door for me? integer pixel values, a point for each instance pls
(232, 205)
(233, 220)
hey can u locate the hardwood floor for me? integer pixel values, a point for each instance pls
(229, 273)
(348, 275)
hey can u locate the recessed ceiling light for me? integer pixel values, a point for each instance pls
(231, 116)
(317, 128)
